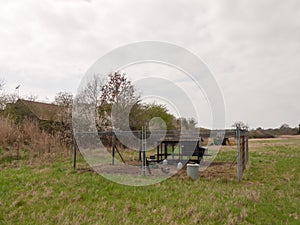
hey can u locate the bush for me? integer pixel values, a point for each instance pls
(260, 133)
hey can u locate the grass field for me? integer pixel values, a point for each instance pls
(53, 193)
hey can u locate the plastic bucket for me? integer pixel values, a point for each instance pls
(193, 171)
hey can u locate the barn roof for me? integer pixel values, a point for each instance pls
(43, 111)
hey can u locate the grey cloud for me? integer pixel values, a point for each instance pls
(252, 47)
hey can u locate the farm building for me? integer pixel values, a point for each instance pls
(49, 116)
(34, 110)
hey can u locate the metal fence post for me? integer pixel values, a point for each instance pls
(238, 146)
(247, 149)
(144, 137)
(113, 148)
(74, 151)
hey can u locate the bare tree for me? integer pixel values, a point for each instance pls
(31, 97)
(117, 99)
(2, 84)
(118, 89)
(242, 125)
(87, 102)
(65, 101)
(92, 91)
(6, 98)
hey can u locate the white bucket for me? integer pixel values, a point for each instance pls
(193, 171)
(179, 166)
(165, 162)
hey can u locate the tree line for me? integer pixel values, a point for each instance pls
(113, 98)
(119, 106)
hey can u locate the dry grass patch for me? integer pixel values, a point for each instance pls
(27, 143)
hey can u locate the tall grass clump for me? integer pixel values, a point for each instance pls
(26, 140)
(9, 132)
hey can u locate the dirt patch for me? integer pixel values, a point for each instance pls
(220, 170)
(135, 169)
(216, 171)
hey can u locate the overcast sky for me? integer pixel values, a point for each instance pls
(251, 47)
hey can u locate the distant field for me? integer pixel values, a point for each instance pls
(53, 193)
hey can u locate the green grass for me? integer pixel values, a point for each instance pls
(56, 194)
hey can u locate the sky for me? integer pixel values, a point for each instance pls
(251, 47)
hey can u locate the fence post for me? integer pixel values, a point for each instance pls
(247, 149)
(144, 137)
(113, 148)
(238, 147)
(140, 135)
(74, 152)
